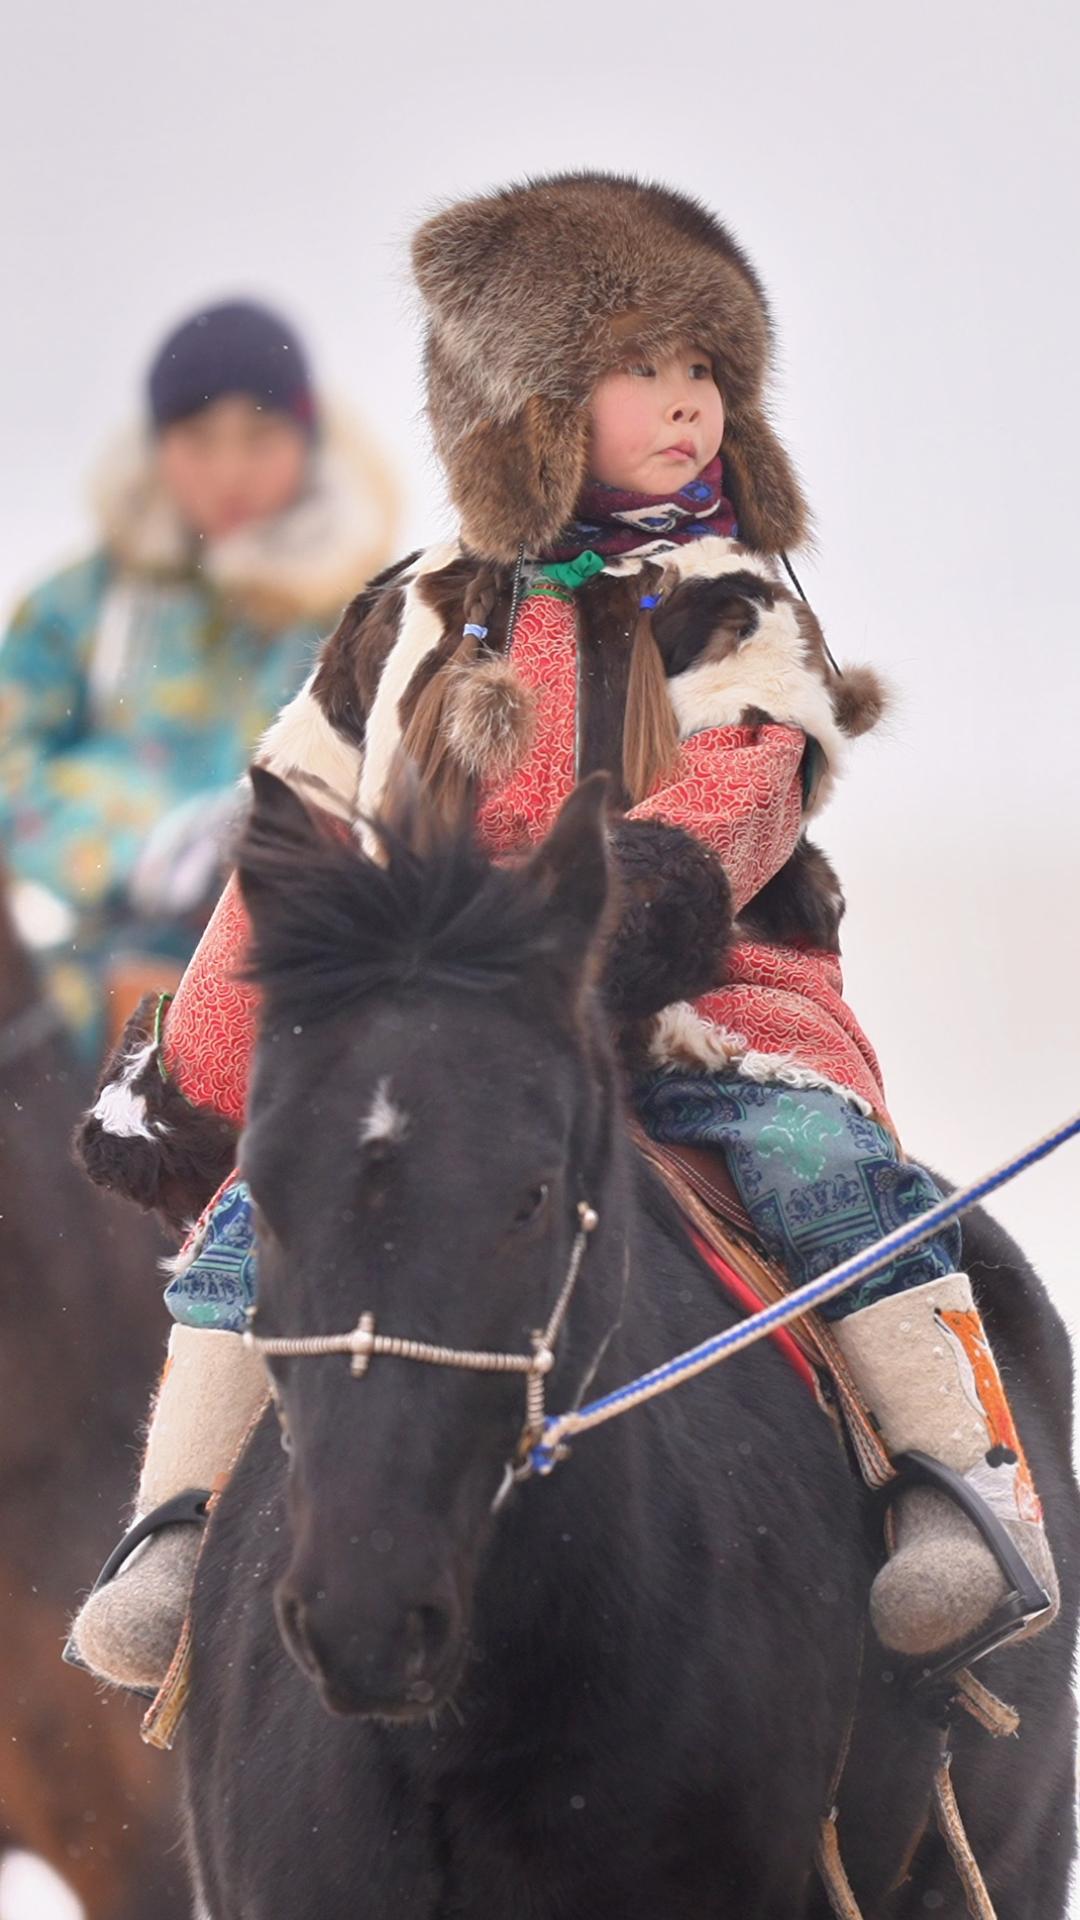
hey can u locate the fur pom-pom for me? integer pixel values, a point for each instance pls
(859, 698)
(490, 720)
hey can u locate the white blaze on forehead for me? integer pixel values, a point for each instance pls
(383, 1120)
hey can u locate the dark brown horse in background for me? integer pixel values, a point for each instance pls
(81, 1335)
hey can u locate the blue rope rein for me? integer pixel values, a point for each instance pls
(560, 1428)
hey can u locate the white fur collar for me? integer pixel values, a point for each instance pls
(303, 564)
(419, 633)
(771, 670)
(303, 747)
(703, 559)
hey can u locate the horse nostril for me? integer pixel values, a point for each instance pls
(427, 1630)
(293, 1623)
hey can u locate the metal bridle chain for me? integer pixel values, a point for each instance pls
(364, 1344)
(515, 596)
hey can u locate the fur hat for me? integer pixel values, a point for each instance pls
(532, 294)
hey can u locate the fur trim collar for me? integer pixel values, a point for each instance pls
(745, 648)
(738, 649)
(299, 566)
(304, 747)
(682, 1038)
(419, 634)
(769, 674)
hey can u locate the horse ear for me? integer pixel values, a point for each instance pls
(569, 873)
(276, 832)
(274, 801)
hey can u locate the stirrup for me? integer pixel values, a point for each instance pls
(1026, 1600)
(183, 1508)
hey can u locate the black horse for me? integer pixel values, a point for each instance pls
(620, 1693)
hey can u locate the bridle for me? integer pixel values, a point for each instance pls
(365, 1345)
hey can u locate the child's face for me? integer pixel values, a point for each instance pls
(231, 463)
(655, 427)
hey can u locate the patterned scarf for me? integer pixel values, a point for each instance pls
(609, 520)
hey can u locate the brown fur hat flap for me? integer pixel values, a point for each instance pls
(532, 294)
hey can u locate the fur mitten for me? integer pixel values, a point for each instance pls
(674, 928)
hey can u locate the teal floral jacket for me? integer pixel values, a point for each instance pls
(142, 677)
(135, 684)
(120, 699)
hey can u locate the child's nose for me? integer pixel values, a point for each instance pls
(683, 407)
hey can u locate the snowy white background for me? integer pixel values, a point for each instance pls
(907, 180)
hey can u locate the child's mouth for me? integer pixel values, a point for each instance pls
(681, 451)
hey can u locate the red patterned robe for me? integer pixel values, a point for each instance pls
(778, 1015)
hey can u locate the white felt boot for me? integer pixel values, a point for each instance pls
(210, 1392)
(923, 1364)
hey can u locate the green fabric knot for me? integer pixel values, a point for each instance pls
(569, 574)
(164, 1000)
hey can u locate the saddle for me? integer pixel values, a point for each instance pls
(698, 1180)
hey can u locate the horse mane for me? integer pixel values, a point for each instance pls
(330, 926)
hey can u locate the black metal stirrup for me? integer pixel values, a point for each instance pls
(1026, 1600)
(187, 1508)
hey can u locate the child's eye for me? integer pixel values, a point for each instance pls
(643, 372)
(701, 370)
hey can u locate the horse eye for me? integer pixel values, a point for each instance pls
(532, 1205)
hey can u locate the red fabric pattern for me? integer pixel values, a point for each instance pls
(738, 788)
(791, 1002)
(544, 653)
(210, 1026)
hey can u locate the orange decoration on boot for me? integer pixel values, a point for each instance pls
(1005, 1482)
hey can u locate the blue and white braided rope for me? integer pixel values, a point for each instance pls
(560, 1428)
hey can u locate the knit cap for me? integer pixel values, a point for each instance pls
(237, 347)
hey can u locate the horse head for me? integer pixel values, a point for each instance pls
(430, 1108)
